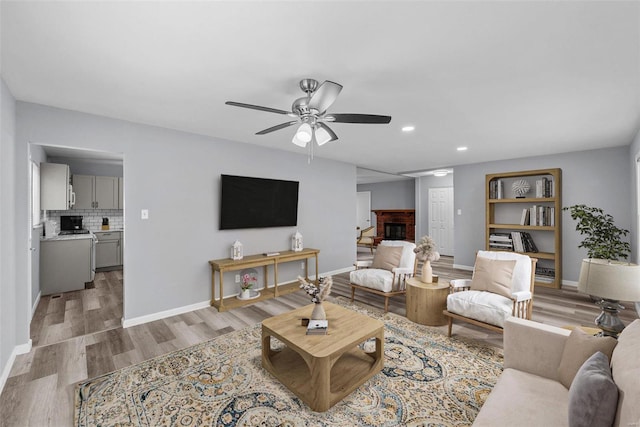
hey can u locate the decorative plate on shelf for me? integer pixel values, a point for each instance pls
(520, 187)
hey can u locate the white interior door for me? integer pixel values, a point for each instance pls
(363, 209)
(441, 219)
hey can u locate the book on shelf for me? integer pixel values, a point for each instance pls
(496, 189)
(317, 327)
(524, 219)
(523, 242)
(501, 242)
(544, 188)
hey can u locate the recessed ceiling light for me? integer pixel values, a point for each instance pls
(408, 128)
(461, 148)
(440, 172)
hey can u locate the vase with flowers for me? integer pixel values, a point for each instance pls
(426, 252)
(248, 281)
(318, 294)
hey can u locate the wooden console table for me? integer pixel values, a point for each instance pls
(227, 264)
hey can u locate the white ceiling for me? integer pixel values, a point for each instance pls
(506, 79)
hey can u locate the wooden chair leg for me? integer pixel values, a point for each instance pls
(450, 325)
(353, 293)
(371, 247)
(386, 304)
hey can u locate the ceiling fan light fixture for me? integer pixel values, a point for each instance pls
(322, 136)
(304, 133)
(298, 142)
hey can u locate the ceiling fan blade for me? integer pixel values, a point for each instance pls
(277, 127)
(324, 134)
(257, 107)
(324, 96)
(357, 118)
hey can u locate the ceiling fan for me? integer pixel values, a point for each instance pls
(310, 112)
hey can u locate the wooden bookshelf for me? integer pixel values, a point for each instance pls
(503, 215)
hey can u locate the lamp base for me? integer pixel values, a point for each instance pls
(608, 320)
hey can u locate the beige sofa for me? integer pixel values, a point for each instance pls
(529, 393)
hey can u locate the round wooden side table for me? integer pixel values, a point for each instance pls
(426, 301)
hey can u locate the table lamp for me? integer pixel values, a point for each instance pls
(611, 281)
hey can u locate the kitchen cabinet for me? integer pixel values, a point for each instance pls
(108, 248)
(55, 188)
(96, 192)
(66, 264)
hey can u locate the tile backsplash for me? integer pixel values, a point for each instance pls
(92, 218)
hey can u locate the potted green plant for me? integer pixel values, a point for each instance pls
(604, 238)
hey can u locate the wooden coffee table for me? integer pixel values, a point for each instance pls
(322, 369)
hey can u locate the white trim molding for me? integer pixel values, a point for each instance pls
(127, 323)
(35, 305)
(19, 349)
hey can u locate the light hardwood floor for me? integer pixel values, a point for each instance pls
(39, 391)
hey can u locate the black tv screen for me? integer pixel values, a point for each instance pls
(247, 202)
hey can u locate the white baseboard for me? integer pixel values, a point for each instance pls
(570, 284)
(35, 304)
(19, 349)
(463, 267)
(126, 323)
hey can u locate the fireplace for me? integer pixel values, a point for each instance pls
(395, 231)
(395, 224)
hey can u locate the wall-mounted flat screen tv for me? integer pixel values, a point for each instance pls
(248, 202)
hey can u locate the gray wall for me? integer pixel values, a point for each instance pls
(423, 184)
(175, 176)
(390, 195)
(597, 178)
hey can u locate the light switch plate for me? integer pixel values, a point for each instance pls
(144, 214)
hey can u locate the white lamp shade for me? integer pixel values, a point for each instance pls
(303, 135)
(322, 136)
(614, 280)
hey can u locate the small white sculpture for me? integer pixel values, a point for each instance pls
(236, 251)
(296, 242)
(520, 188)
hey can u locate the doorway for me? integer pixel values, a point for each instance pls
(441, 219)
(97, 307)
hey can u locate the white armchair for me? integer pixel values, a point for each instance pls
(385, 275)
(502, 286)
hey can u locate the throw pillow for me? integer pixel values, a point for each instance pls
(387, 257)
(577, 349)
(493, 275)
(593, 396)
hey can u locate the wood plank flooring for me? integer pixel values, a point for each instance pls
(81, 344)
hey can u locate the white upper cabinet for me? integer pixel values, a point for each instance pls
(55, 191)
(96, 192)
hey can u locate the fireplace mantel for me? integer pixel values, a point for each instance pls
(398, 216)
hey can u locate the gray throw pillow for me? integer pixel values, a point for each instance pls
(593, 396)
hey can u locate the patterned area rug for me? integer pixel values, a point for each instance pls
(428, 380)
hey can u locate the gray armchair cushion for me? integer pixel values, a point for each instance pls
(593, 396)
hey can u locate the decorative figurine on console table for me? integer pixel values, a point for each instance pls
(296, 242)
(236, 251)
